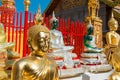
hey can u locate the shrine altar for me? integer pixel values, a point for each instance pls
(91, 76)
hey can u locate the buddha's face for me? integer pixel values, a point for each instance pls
(43, 41)
(113, 24)
(113, 27)
(54, 24)
(90, 29)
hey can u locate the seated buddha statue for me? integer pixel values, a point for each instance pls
(36, 66)
(112, 49)
(57, 43)
(89, 40)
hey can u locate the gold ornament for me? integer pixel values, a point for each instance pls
(26, 3)
(38, 17)
(93, 8)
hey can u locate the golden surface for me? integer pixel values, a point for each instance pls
(38, 18)
(5, 54)
(112, 38)
(37, 66)
(112, 49)
(3, 59)
(93, 7)
(26, 3)
(8, 1)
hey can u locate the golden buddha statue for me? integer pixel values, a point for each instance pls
(112, 49)
(36, 66)
(7, 57)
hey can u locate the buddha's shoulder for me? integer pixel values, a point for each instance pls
(110, 33)
(30, 60)
(51, 61)
(25, 59)
(55, 31)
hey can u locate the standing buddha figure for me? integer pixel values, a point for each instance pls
(36, 66)
(112, 50)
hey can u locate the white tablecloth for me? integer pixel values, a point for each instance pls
(93, 76)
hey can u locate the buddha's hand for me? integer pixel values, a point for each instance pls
(50, 50)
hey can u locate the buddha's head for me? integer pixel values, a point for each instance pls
(90, 28)
(113, 23)
(54, 22)
(38, 37)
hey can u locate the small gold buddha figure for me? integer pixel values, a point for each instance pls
(36, 66)
(112, 49)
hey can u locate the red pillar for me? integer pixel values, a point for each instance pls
(20, 32)
(16, 46)
(25, 34)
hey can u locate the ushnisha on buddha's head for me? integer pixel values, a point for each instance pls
(113, 23)
(90, 28)
(54, 22)
(38, 38)
(38, 35)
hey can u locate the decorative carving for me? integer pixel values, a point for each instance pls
(68, 4)
(93, 7)
(111, 3)
(98, 32)
(26, 3)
